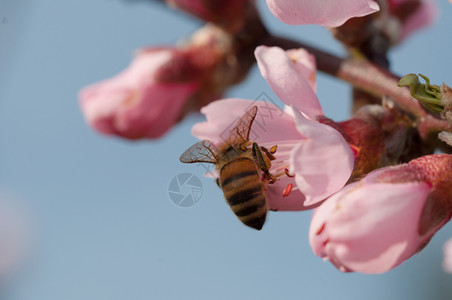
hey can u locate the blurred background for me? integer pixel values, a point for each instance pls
(101, 222)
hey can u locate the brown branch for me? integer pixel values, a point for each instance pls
(378, 82)
(369, 78)
(431, 124)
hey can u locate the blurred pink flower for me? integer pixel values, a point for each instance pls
(196, 7)
(305, 146)
(14, 237)
(329, 13)
(447, 259)
(373, 225)
(225, 13)
(137, 103)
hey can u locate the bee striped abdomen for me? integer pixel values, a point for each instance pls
(244, 191)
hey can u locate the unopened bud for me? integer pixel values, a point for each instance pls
(373, 225)
(163, 84)
(140, 102)
(433, 97)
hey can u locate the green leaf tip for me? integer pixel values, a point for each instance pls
(428, 95)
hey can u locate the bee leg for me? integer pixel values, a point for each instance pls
(286, 171)
(268, 153)
(245, 145)
(263, 162)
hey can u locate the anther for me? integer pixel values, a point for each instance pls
(273, 149)
(286, 171)
(287, 190)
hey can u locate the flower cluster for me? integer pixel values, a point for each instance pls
(163, 84)
(378, 191)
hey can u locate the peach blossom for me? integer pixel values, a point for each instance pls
(137, 103)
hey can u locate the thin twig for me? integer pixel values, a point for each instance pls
(367, 77)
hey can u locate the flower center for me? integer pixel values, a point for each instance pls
(279, 155)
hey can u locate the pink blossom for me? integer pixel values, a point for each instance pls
(305, 146)
(373, 225)
(329, 13)
(137, 103)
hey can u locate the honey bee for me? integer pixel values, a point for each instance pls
(238, 162)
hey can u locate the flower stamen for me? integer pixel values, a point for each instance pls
(286, 192)
(273, 149)
(286, 171)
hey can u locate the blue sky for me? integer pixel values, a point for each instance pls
(103, 222)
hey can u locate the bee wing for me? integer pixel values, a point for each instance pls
(241, 132)
(203, 151)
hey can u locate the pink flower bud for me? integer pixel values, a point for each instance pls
(373, 225)
(162, 85)
(144, 100)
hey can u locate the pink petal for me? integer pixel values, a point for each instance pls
(271, 123)
(369, 228)
(284, 77)
(305, 64)
(155, 112)
(322, 162)
(295, 201)
(329, 13)
(98, 112)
